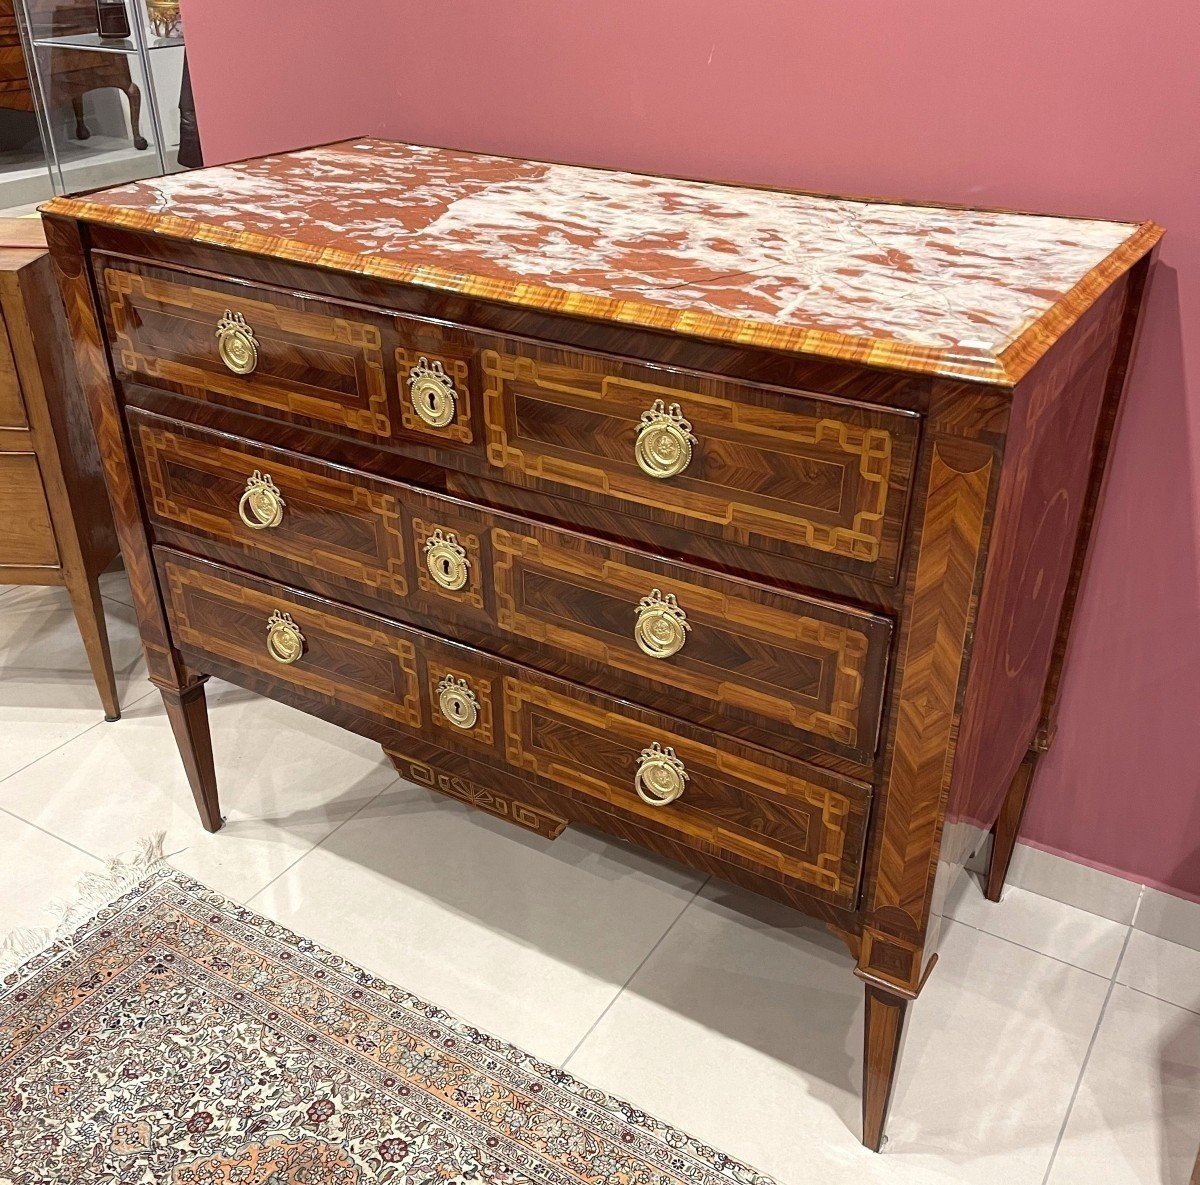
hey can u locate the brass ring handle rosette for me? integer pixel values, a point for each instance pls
(285, 642)
(261, 506)
(661, 777)
(446, 560)
(662, 626)
(236, 343)
(457, 702)
(432, 393)
(664, 441)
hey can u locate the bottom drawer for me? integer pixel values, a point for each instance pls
(770, 814)
(26, 537)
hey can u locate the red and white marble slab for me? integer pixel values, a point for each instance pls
(963, 284)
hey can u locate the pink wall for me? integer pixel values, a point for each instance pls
(1075, 106)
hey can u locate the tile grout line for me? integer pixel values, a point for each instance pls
(1087, 1057)
(1033, 950)
(633, 974)
(1159, 999)
(50, 752)
(70, 740)
(321, 841)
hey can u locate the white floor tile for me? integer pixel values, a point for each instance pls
(1163, 969)
(286, 781)
(745, 1028)
(1136, 1119)
(1049, 927)
(36, 871)
(526, 938)
(47, 694)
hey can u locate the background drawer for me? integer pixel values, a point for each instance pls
(781, 819)
(26, 534)
(778, 668)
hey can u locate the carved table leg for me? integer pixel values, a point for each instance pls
(188, 714)
(1004, 834)
(883, 1028)
(134, 95)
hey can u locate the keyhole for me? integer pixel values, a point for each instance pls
(458, 711)
(446, 568)
(431, 399)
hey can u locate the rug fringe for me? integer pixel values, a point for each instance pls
(93, 892)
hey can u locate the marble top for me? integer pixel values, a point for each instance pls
(947, 291)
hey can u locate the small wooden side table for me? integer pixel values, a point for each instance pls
(55, 524)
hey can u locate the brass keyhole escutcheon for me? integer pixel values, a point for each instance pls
(446, 560)
(236, 343)
(432, 392)
(261, 506)
(285, 642)
(664, 441)
(661, 627)
(457, 702)
(661, 777)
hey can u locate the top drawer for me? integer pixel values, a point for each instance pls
(302, 359)
(809, 479)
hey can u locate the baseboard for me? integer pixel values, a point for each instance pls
(1144, 907)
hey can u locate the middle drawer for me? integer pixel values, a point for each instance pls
(793, 672)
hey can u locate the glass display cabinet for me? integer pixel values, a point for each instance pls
(106, 80)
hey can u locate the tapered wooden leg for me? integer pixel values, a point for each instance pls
(188, 714)
(89, 614)
(883, 1030)
(1008, 826)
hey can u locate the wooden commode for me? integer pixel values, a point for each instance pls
(746, 526)
(55, 525)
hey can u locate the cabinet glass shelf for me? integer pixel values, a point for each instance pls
(108, 107)
(98, 44)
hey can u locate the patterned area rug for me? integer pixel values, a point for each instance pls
(174, 1037)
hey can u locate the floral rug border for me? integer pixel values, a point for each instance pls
(669, 1154)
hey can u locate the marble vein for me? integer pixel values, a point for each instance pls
(963, 282)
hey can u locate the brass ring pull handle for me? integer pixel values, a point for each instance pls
(446, 560)
(662, 626)
(261, 506)
(457, 702)
(236, 343)
(432, 392)
(664, 441)
(285, 642)
(661, 777)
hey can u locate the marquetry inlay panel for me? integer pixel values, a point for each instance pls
(212, 613)
(485, 798)
(317, 361)
(472, 592)
(803, 665)
(346, 530)
(458, 370)
(776, 471)
(787, 825)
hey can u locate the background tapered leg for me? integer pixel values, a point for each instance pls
(188, 713)
(882, 1032)
(89, 615)
(1004, 834)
